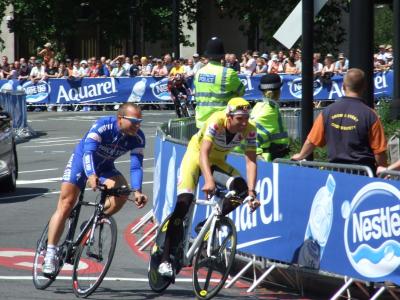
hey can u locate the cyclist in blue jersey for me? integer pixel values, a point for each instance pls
(93, 162)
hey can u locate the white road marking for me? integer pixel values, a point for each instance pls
(56, 141)
(137, 279)
(36, 181)
(54, 138)
(52, 145)
(34, 171)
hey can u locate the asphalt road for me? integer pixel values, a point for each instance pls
(23, 215)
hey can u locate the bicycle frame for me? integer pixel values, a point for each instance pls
(69, 242)
(216, 203)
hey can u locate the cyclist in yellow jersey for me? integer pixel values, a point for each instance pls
(206, 153)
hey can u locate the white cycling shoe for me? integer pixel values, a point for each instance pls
(165, 269)
(50, 265)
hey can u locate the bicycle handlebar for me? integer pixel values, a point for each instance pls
(119, 191)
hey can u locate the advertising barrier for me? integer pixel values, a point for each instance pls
(154, 89)
(348, 224)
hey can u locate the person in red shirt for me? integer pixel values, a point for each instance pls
(352, 132)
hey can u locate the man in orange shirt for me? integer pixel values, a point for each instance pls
(352, 132)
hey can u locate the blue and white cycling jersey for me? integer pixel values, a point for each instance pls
(99, 148)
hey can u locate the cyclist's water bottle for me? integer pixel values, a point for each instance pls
(138, 91)
(321, 215)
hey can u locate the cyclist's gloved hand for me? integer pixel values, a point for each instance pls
(140, 199)
(253, 203)
(209, 188)
(93, 181)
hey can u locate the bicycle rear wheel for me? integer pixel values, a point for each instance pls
(39, 281)
(93, 257)
(211, 272)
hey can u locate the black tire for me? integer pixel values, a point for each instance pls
(210, 273)
(39, 281)
(99, 253)
(9, 183)
(157, 282)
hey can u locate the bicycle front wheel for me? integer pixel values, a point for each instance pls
(93, 257)
(39, 281)
(210, 270)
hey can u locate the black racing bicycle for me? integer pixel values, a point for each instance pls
(90, 252)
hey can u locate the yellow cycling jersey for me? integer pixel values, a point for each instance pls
(214, 130)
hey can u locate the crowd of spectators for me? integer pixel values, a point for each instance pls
(44, 65)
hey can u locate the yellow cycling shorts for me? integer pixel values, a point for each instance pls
(189, 172)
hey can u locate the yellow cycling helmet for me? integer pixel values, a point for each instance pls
(238, 106)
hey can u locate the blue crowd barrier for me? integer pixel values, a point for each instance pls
(355, 219)
(15, 103)
(154, 89)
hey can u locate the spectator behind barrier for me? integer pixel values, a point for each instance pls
(352, 132)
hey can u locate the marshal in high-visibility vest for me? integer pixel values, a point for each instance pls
(214, 84)
(272, 137)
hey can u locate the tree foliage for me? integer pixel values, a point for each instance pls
(57, 21)
(269, 15)
(383, 25)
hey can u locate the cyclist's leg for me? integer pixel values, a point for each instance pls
(228, 176)
(187, 182)
(73, 180)
(114, 204)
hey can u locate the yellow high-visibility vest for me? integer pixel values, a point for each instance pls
(214, 86)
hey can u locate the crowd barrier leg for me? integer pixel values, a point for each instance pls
(344, 287)
(241, 272)
(155, 226)
(262, 277)
(143, 220)
(389, 289)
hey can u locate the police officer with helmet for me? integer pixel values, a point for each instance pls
(272, 137)
(214, 84)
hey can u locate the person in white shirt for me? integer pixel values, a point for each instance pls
(38, 71)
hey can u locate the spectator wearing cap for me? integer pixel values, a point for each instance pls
(215, 85)
(176, 69)
(272, 137)
(47, 53)
(134, 70)
(274, 65)
(198, 63)
(342, 64)
(38, 71)
(84, 70)
(159, 69)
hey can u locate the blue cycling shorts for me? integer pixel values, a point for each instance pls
(74, 172)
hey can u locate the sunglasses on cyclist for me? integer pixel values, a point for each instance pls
(133, 120)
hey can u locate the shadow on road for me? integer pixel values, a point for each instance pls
(22, 194)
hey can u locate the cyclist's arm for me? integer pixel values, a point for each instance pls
(251, 170)
(89, 147)
(137, 162)
(205, 166)
(136, 171)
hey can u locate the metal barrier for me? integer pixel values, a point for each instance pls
(15, 104)
(181, 130)
(292, 119)
(343, 168)
(354, 170)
